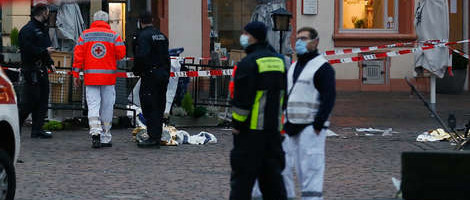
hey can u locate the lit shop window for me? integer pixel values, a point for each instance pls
(117, 18)
(369, 15)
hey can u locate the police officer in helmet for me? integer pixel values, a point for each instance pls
(35, 46)
(152, 64)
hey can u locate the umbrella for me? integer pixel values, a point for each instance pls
(432, 23)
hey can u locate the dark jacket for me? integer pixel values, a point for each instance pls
(151, 51)
(259, 90)
(34, 41)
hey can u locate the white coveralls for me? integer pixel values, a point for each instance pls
(100, 101)
(307, 147)
(305, 152)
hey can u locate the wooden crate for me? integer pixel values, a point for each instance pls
(60, 83)
(59, 88)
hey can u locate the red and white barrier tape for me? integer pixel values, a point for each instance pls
(208, 73)
(338, 52)
(375, 56)
(183, 58)
(228, 72)
(459, 52)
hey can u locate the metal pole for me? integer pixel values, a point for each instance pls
(280, 42)
(433, 92)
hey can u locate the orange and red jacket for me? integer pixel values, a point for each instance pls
(96, 54)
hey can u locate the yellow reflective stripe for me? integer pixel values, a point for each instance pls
(239, 117)
(255, 110)
(280, 111)
(270, 64)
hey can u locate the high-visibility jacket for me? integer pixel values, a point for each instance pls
(96, 54)
(259, 87)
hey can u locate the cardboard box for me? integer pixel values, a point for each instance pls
(62, 59)
(235, 56)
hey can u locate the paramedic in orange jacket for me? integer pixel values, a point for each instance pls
(96, 55)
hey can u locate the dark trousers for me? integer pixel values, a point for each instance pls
(153, 100)
(36, 97)
(257, 156)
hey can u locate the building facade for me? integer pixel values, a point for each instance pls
(204, 26)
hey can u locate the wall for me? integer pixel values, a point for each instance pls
(14, 15)
(185, 26)
(347, 75)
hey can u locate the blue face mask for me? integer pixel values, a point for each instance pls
(301, 47)
(244, 41)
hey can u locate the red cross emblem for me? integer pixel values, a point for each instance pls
(98, 50)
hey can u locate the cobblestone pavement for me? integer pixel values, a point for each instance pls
(358, 166)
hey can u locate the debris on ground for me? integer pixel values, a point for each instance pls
(373, 131)
(330, 133)
(174, 137)
(433, 135)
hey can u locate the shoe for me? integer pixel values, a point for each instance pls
(95, 141)
(107, 144)
(149, 143)
(41, 134)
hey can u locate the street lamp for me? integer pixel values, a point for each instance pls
(281, 18)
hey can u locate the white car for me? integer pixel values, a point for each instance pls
(9, 138)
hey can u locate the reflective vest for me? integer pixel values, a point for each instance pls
(256, 116)
(96, 54)
(303, 101)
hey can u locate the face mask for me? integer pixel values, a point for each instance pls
(244, 41)
(301, 47)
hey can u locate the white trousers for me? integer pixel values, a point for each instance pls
(305, 153)
(100, 100)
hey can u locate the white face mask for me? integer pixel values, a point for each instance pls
(244, 41)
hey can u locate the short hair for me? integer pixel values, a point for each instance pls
(313, 33)
(38, 9)
(101, 16)
(146, 17)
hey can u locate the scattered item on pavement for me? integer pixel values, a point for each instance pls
(433, 135)
(397, 184)
(202, 138)
(373, 131)
(330, 133)
(454, 137)
(174, 137)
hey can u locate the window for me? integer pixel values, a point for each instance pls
(373, 22)
(228, 19)
(378, 15)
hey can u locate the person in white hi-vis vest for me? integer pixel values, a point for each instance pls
(311, 97)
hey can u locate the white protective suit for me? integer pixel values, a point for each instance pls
(100, 100)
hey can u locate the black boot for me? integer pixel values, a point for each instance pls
(149, 143)
(95, 141)
(109, 144)
(41, 134)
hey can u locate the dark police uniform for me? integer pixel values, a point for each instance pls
(34, 41)
(152, 63)
(259, 92)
